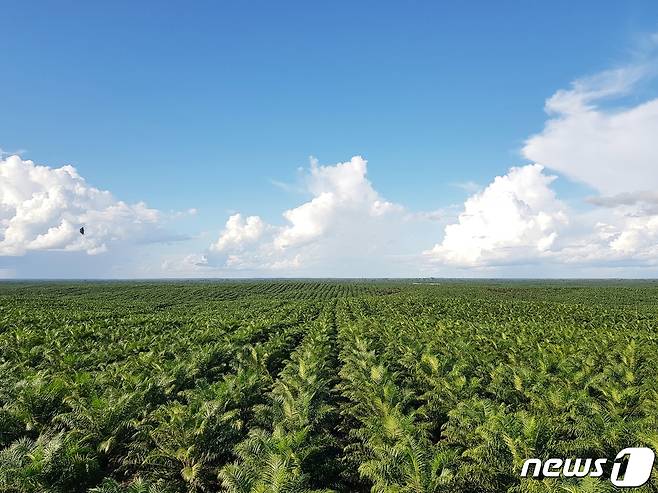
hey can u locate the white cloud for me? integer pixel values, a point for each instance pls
(339, 192)
(239, 232)
(516, 216)
(516, 219)
(612, 150)
(42, 208)
(639, 236)
(347, 228)
(345, 218)
(185, 265)
(308, 221)
(344, 227)
(614, 236)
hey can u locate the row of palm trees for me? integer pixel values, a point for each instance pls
(292, 447)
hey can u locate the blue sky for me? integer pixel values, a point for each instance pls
(213, 106)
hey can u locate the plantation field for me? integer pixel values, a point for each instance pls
(296, 386)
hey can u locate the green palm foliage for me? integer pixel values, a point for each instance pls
(317, 386)
(289, 454)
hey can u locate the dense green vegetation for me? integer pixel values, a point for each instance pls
(303, 386)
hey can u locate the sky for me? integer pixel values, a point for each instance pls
(341, 139)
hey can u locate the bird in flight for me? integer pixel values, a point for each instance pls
(82, 230)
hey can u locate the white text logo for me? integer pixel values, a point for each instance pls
(638, 467)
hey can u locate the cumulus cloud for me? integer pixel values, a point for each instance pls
(344, 218)
(239, 232)
(515, 217)
(340, 192)
(612, 150)
(639, 237)
(616, 241)
(42, 208)
(620, 232)
(595, 134)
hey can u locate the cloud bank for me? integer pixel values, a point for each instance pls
(596, 133)
(517, 218)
